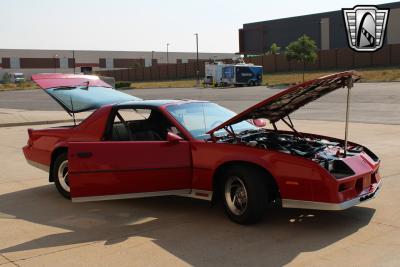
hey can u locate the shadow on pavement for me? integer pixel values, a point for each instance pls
(189, 229)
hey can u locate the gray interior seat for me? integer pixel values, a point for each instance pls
(120, 133)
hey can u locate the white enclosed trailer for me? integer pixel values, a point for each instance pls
(214, 73)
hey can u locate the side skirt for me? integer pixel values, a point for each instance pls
(200, 194)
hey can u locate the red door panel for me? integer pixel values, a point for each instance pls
(113, 168)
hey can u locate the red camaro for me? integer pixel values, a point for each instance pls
(129, 148)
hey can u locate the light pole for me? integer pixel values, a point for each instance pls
(167, 53)
(73, 58)
(152, 57)
(55, 63)
(197, 59)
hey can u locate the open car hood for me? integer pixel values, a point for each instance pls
(79, 93)
(284, 103)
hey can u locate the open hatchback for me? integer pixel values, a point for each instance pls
(79, 93)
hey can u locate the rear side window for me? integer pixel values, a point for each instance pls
(134, 114)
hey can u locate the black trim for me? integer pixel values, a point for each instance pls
(131, 170)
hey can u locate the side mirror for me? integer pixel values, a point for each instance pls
(173, 138)
(260, 122)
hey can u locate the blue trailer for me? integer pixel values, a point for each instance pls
(242, 74)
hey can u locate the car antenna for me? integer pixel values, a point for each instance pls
(72, 109)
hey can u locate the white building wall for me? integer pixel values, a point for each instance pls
(93, 57)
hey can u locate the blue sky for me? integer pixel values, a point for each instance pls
(143, 25)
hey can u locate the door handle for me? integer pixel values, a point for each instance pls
(84, 154)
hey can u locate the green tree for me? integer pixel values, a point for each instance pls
(274, 49)
(303, 50)
(6, 78)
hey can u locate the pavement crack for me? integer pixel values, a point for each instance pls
(8, 260)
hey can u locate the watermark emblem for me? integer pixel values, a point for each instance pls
(366, 27)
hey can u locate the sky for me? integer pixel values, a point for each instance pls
(144, 25)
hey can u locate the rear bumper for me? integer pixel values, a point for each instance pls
(302, 204)
(28, 153)
(38, 165)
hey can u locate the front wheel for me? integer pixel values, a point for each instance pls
(245, 194)
(60, 175)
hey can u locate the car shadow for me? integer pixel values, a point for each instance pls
(190, 229)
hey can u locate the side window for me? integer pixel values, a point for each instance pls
(132, 124)
(134, 114)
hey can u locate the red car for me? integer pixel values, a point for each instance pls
(129, 148)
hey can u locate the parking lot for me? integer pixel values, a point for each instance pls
(40, 228)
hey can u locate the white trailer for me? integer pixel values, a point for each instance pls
(214, 73)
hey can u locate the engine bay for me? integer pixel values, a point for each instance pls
(325, 152)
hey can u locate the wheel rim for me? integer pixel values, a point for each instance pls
(236, 195)
(62, 175)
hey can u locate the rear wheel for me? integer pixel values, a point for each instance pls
(245, 194)
(60, 175)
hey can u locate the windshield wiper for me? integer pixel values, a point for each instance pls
(65, 88)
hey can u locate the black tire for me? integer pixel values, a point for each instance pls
(254, 183)
(59, 161)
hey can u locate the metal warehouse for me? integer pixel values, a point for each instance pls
(30, 62)
(327, 29)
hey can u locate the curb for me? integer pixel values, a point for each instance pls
(31, 123)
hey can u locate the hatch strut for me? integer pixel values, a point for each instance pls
(72, 109)
(349, 86)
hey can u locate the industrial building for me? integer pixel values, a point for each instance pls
(327, 29)
(30, 62)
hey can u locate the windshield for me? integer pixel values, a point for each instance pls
(82, 98)
(199, 118)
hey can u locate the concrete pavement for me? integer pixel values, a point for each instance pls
(40, 228)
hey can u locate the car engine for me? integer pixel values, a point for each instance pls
(322, 151)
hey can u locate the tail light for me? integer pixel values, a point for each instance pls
(359, 185)
(374, 179)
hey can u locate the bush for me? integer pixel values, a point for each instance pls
(6, 78)
(122, 85)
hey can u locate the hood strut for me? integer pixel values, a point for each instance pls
(349, 86)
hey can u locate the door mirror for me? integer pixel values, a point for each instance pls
(173, 138)
(260, 122)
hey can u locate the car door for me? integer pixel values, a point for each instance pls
(115, 170)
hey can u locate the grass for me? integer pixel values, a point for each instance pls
(272, 79)
(164, 84)
(285, 78)
(368, 75)
(20, 86)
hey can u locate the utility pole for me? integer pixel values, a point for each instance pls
(55, 63)
(167, 53)
(197, 59)
(73, 58)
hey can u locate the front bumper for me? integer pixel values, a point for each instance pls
(302, 204)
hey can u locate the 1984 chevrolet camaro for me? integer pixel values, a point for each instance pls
(129, 148)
